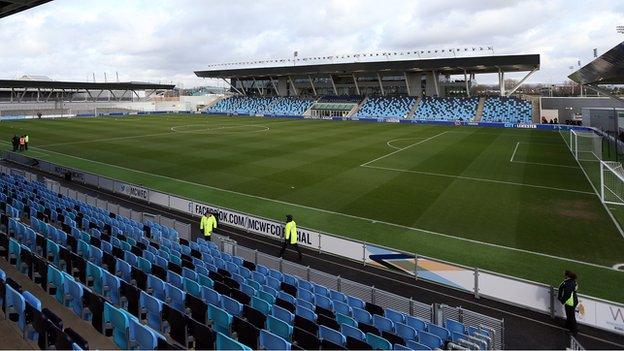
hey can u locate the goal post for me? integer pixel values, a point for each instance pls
(585, 146)
(611, 183)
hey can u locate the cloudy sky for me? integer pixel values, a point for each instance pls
(158, 40)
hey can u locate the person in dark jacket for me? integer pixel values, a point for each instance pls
(15, 142)
(568, 297)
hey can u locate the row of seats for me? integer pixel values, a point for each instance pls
(446, 109)
(507, 110)
(241, 300)
(34, 322)
(386, 107)
(255, 105)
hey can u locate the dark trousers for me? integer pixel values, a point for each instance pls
(25, 146)
(570, 318)
(295, 246)
(207, 237)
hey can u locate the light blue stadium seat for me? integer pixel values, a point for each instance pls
(192, 287)
(73, 293)
(306, 295)
(124, 271)
(355, 302)
(270, 341)
(430, 340)
(279, 327)
(211, 296)
(119, 323)
(344, 319)
(377, 342)
(142, 337)
(401, 347)
(383, 323)
(416, 323)
(286, 297)
(204, 280)
(153, 309)
(439, 331)
(341, 307)
(306, 313)
(55, 283)
(324, 302)
(405, 331)
(331, 335)
(175, 279)
(455, 326)
(111, 287)
(15, 306)
(353, 332)
(226, 343)
(362, 316)
(30, 299)
(232, 306)
(221, 320)
(283, 314)
(261, 305)
(386, 107)
(156, 287)
(394, 316)
(94, 277)
(175, 297)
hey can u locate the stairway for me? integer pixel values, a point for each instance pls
(479, 113)
(412, 112)
(356, 108)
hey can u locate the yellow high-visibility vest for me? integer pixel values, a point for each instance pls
(207, 224)
(290, 232)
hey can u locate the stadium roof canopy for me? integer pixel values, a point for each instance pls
(10, 7)
(59, 85)
(608, 68)
(445, 66)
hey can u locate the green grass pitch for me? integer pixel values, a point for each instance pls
(507, 200)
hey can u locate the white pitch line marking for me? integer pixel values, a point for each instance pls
(389, 142)
(403, 148)
(536, 163)
(514, 152)
(486, 180)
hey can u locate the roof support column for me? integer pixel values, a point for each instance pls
(256, 85)
(111, 94)
(407, 86)
(274, 86)
(228, 83)
(242, 86)
(466, 82)
(383, 93)
(88, 95)
(357, 87)
(292, 85)
(12, 92)
(312, 84)
(122, 95)
(331, 78)
(521, 81)
(38, 94)
(435, 83)
(137, 95)
(501, 82)
(49, 95)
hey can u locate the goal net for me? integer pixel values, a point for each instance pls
(612, 182)
(586, 146)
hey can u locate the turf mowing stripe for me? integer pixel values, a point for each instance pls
(340, 213)
(479, 179)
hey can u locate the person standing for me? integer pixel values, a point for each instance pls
(15, 142)
(26, 142)
(290, 236)
(207, 223)
(568, 297)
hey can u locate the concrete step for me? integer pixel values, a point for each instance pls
(479, 113)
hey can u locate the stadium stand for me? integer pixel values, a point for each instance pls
(386, 107)
(147, 288)
(446, 109)
(507, 110)
(291, 106)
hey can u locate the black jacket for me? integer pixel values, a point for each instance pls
(568, 287)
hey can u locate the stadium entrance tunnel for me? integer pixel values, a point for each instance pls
(221, 129)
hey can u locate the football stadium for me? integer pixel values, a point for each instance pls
(386, 201)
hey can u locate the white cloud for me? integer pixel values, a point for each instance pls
(159, 40)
